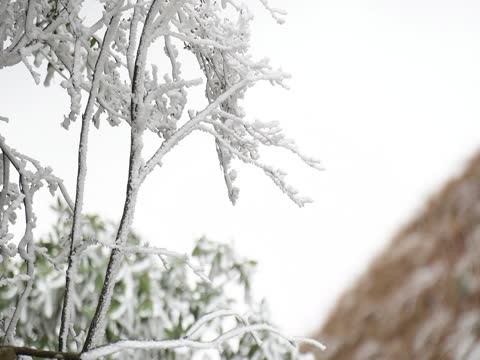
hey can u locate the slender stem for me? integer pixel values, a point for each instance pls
(6, 183)
(44, 354)
(76, 233)
(132, 41)
(98, 324)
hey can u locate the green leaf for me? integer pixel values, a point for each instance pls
(253, 350)
(146, 306)
(144, 284)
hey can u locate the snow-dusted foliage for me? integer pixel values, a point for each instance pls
(156, 297)
(107, 65)
(31, 177)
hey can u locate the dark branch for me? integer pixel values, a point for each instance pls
(11, 352)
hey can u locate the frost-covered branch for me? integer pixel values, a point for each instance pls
(10, 198)
(195, 120)
(97, 326)
(268, 134)
(20, 161)
(81, 177)
(277, 175)
(191, 343)
(150, 250)
(26, 250)
(12, 194)
(225, 313)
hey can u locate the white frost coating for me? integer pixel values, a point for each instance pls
(220, 44)
(213, 315)
(223, 313)
(12, 281)
(72, 87)
(196, 41)
(25, 248)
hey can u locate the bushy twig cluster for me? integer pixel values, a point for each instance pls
(108, 69)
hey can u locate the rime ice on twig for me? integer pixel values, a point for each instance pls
(161, 253)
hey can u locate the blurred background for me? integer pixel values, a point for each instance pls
(384, 93)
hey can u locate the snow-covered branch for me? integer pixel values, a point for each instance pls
(160, 252)
(195, 120)
(276, 175)
(98, 324)
(26, 251)
(10, 198)
(81, 177)
(191, 343)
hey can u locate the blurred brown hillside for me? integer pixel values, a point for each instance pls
(420, 298)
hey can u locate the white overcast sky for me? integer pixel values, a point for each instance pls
(386, 93)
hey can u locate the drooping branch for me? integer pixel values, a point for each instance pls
(149, 250)
(225, 313)
(193, 343)
(276, 175)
